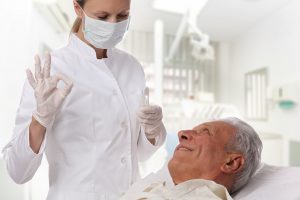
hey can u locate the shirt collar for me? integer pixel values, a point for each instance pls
(165, 174)
(84, 49)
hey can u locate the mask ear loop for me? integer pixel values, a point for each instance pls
(83, 20)
(83, 17)
(128, 23)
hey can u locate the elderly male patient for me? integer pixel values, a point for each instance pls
(212, 159)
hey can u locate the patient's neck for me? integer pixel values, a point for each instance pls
(179, 176)
(181, 173)
(225, 180)
(176, 174)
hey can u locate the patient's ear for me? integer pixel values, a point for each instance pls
(233, 163)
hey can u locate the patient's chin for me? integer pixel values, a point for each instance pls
(181, 157)
(182, 152)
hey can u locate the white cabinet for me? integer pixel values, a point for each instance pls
(280, 150)
(273, 149)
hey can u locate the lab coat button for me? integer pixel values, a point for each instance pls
(124, 125)
(123, 160)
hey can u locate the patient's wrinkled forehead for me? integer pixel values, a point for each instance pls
(220, 129)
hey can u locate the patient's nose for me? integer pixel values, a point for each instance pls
(185, 135)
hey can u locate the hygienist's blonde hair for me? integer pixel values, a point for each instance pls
(78, 21)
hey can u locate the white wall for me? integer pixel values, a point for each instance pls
(20, 38)
(222, 63)
(275, 43)
(23, 29)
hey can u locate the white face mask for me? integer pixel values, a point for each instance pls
(102, 34)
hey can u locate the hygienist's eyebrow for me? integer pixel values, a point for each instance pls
(125, 11)
(101, 13)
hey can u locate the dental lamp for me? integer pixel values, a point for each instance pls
(201, 48)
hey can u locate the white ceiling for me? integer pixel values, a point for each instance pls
(223, 20)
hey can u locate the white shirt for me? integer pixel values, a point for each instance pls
(95, 143)
(160, 186)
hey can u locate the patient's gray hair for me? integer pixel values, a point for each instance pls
(247, 142)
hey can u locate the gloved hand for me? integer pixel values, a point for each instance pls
(48, 96)
(150, 117)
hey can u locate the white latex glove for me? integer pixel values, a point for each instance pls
(48, 96)
(150, 117)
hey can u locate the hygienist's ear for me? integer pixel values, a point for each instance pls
(234, 163)
(78, 9)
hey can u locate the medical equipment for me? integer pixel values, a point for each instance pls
(201, 48)
(48, 96)
(146, 95)
(150, 117)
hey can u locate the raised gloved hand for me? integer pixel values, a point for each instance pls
(48, 96)
(150, 117)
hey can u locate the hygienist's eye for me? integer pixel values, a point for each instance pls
(123, 16)
(103, 18)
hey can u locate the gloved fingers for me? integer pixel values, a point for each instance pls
(49, 86)
(153, 131)
(47, 65)
(143, 114)
(152, 134)
(150, 116)
(68, 84)
(31, 79)
(148, 123)
(143, 117)
(53, 81)
(150, 109)
(64, 91)
(38, 70)
(59, 98)
(58, 77)
(67, 89)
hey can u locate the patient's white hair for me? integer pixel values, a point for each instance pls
(247, 142)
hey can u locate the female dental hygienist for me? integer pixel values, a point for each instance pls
(87, 115)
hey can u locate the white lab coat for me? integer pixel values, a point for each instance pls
(95, 142)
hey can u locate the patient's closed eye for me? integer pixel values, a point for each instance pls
(203, 131)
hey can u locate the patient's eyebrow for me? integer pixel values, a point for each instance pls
(210, 128)
(199, 129)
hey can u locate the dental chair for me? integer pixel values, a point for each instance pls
(272, 183)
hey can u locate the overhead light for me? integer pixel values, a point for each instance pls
(180, 6)
(201, 48)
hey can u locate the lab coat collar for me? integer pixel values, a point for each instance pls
(84, 49)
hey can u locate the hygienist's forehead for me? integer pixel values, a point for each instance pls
(108, 5)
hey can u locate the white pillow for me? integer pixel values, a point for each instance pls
(272, 183)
